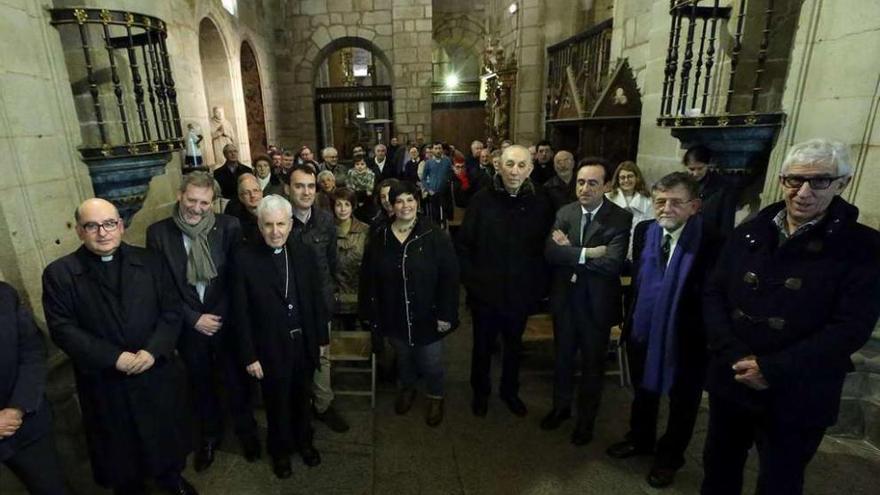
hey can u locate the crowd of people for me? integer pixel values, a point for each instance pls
(760, 308)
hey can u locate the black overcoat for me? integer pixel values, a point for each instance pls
(261, 320)
(22, 372)
(133, 423)
(430, 271)
(802, 307)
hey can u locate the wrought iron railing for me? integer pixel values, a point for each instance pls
(717, 63)
(580, 64)
(119, 61)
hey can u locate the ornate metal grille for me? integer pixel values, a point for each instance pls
(578, 72)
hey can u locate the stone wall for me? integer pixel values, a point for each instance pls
(398, 31)
(43, 178)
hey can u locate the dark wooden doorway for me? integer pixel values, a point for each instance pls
(459, 123)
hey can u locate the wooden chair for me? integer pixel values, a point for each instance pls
(354, 347)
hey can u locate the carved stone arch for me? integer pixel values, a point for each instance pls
(217, 78)
(346, 42)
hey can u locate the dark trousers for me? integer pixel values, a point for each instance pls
(288, 412)
(206, 358)
(37, 466)
(488, 324)
(784, 450)
(575, 328)
(684, 404)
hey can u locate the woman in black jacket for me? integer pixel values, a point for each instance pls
(410, 278)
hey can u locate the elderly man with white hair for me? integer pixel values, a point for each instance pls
(795, 292)
(279, 314)
(331, 164)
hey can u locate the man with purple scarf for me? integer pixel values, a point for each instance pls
(666, 339)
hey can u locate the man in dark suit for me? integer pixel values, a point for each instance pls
(281, 323)
(114, 309)
(500, 248)
(227, 174)
(198, 245)
(380, 164)
(587, 247)
(245, 208)
(672, 256)
(795, 292)
(27, 446)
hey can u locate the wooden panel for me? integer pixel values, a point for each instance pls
(459, 124)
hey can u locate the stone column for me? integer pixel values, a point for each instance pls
(412, 23)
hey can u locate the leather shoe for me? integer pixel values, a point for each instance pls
(555, 418)
(405, 399)
(310, 455)
(480, 406)
(333, 420)
(204, 456)
(281, 467)
(661, 477)
(182, 487)
(516, 406)
(250, 446)
(581, 436)
(434, 415)
(626, 449)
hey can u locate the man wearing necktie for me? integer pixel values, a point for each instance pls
(586, 248)
(672, 257)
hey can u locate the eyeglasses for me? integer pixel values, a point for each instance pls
(817, 183)
(660, 203)
(107, 225)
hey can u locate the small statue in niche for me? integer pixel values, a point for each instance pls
(193, 159)
(222, 133)
(619, 97)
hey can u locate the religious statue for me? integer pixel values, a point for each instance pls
(192, 151)
(222, 133)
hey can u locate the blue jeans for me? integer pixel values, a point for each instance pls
(424, 360)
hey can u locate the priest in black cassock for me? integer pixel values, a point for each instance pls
(113, 308)
(278, 313)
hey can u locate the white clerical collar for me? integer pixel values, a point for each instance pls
(107, 258)
(278, 250)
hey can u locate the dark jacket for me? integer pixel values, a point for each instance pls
(500, 247)
(560, 193)
(802, 307)
(93, 326)
(261, 311)
(228, 180)
(250, 230)
(719, 203)
(691, 327)
(22, 372)
(164, 237)
(389, 170)
(428, 274)
(610, 227)
(319, 234)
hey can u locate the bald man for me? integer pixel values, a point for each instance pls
(114, 309)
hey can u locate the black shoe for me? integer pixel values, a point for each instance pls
(581, 436)
(661, 477)
(310, 456)
(250, 446)
(182, 487)
(405, 399)
(626, 449)
(434, 415)
(516, 406)
(136, 488)
(555, 418)
(333, 420)
(281, 467)
(480, 406)
(204, 456)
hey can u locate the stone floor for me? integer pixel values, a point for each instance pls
(500, 454)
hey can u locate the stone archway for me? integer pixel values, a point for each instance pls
(218, 89)
(253, 100)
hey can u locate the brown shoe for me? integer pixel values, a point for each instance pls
(435, 411)
(405, 399)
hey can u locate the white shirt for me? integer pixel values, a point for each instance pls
(381, 166)
(583, 259)
(200, 286)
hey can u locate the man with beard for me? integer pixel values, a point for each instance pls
(198, 245)
(280, 315)
(114, 309)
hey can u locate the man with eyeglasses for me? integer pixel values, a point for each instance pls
(664, 331)
(245, 209)
(114, 309)
(198, 246)
(586, 248)
(795, 292)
